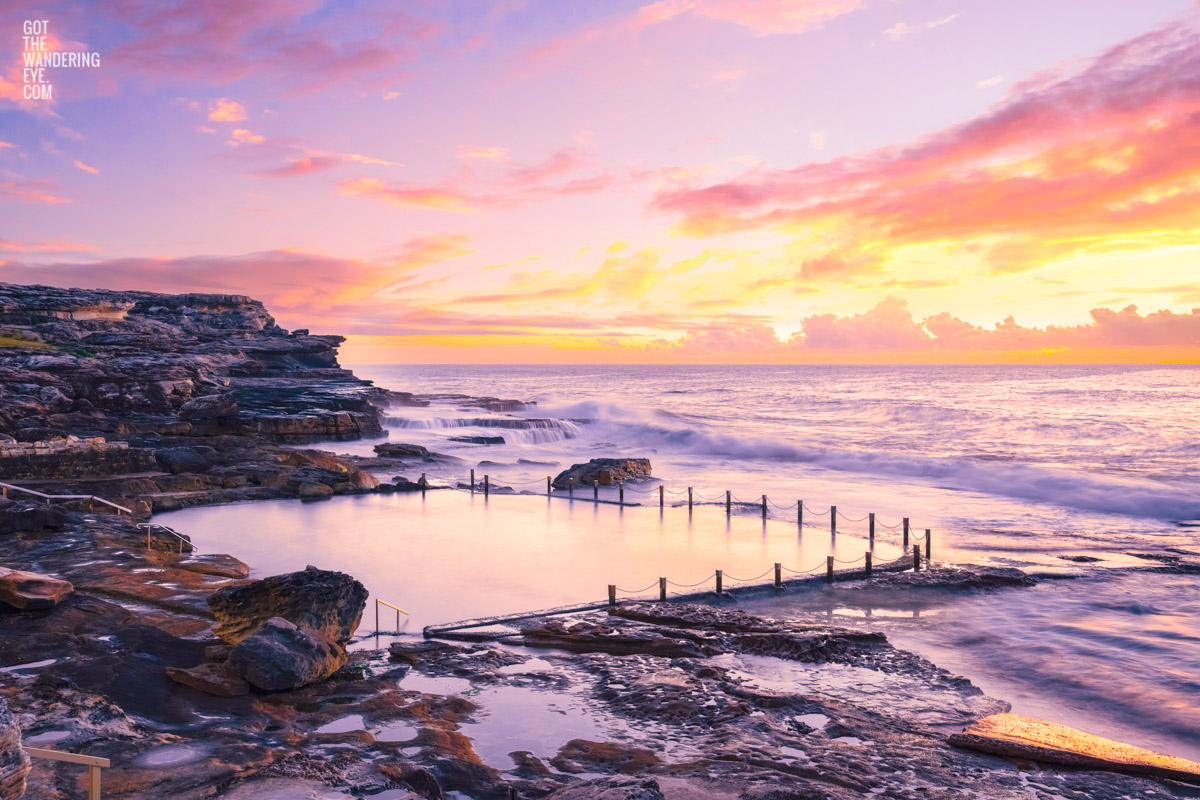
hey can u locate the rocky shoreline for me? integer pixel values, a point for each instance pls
(158, 402)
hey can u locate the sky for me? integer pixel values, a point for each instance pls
(681, 181)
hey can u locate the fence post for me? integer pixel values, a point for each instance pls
(571, 488)
(778, 575)
(728, 502)
(916, 558)
(472, 481)
(720, 575)
(486, 486)
(906, 533)
(93, 779)
(612, 594)
(662, 590)
(928, 545)
(868, 563)
(689, 499)
(764, 504)
(660, 497)
(547, 485)
(833, 520)
(621, 490)
(596, 491)
(872, 527)
(829, 569)
(800, 515)
(423, 483)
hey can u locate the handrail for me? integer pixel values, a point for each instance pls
(399, 611)
(93, 763)
(150, 526)
(49, 497)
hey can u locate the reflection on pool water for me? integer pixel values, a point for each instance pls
(452, 555)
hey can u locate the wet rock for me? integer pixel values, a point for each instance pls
(31, 591)
(401, 450)
(220, 680)
(1014, 736)
(579, 755)
(585, 637)
(610, 789)
(604, 472)
(31, 517)
(478, 439)
(210, 407)
(14, 763)
(415, 653)
(419, 780)
(280, 656)
(325, 601)
(976, 577)
(315, 491)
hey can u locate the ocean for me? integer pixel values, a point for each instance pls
(1082, 475)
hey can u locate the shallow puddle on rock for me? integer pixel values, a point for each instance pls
(792, 752)
(398, 732)
(354, 722)
(428, 684)
(171, 755)
(46, 737)
(530, 666)
(285, 789)
(519, 718)
(814, 721)
(30, 665)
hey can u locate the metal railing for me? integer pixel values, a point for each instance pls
(150, 526)
(93, 763)
(48, 497)
(398, 609)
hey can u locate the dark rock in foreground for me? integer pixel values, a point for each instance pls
(330, 603)
(604, 472)
(280, 656)
(31, 591)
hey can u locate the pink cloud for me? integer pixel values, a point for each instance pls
(86, 168)
(224, 110)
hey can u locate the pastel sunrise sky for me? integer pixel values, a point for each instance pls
(675, 181)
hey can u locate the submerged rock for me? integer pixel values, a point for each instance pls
(976, 577)
(401, 450)
(604, 472)
(281, 656)
(325, 601)
(14, 763)
(31, 591)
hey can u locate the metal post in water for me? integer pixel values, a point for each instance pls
(720, 575)
(596, 491)
(660, 497)
(662, 590)
(621, 489)
(689, 499)
(571, 488)
(778, 575)
(868, 563)
(916, 558)
(800, 515)
(472, 481)
(422, 484)
(928, 545)
(764, 506)
(906, 533)
(612, 594)
(728, 503)
(829, 569)
(486, 486)
(547, 486)
(872, 527)
(833, 520)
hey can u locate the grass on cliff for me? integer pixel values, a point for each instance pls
(8, 341)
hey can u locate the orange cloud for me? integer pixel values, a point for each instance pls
(407, 195)
(484, 153)
(30, 191)
(243, 136)
(55, 246)
(1102, 159)
(224, 110)
(86, 168)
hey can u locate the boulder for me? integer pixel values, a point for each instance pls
(401, 450)
(605, 472)
(220, 680)
(280, 656)
(31, 517)
(210, 407)
(328, 602)
(14, 763)
(315, 491)
(31, 591)
(478, 439)
(178, 460)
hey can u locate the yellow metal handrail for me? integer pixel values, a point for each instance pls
(93, 763)
(48, 497)
(150, 526)
(399, 611)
